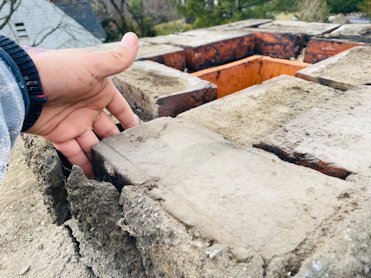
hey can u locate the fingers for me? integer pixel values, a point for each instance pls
(78, 150)
(121, 109)
(76, 156)
(104, 127)
(86, 141)
(118, 59)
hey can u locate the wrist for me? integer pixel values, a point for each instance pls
(31, 78)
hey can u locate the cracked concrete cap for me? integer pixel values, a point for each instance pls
(249, 115)
(241, 198)
(334, 136)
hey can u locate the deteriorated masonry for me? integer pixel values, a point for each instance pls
(253, 161)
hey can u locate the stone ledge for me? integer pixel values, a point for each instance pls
(205, 48)
(245, 117)
(332, 137)
(300, 27)
(319, 49)
(197, 176)
(168, 55)
(154, 90)
(341, 39)
(343, 71)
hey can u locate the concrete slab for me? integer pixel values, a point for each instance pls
(353, 30)
(344, 71)
(333, 137)
(245, 117)
(205, 48)
(236, 197)
(347, 253)
(308, 28)
(154, 90)
(248, 23)
(168, 55)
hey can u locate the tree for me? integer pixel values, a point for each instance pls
(365, 8)
(313, 10)
(341, 6)
(121, 16)
(203, 13)
(7, 8)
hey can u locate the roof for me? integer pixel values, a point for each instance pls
(41, 23)
(82, 12)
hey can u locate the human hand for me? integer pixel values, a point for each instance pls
(78, 88)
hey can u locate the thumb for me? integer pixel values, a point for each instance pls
(117, 59)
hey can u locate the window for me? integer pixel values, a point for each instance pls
(21, 32)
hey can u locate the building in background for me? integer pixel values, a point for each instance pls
(41, 23)
(83, 13)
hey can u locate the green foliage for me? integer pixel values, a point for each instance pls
(203, 13)
(365, 8)
(343, 6)
(313, 10)
(141, 22)
(120, 16)
(172, 27)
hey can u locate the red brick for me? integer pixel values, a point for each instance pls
(154, 90)
(206, 48)
(278, 44)
(168, 55)
(319, 49)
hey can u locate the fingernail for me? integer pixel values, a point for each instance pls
(138, 119)
(129, 40)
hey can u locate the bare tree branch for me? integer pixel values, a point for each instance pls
(13, 6)
(48, 34)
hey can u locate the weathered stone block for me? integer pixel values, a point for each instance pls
(240, 25)
(245, 117)
(319, 49)
(343, 38)
(103, 245)
(278, 44)
(168, 55)
(347, 253)
(243, 199)
(344, 71)
(45, 162)
(294, 27)
(333, 137)
(154, 90)
(285, 39)
(353, 30)
(205, 48)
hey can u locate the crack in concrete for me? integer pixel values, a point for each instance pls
(76, 245)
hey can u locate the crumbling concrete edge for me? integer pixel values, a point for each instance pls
(42, 158)
(171, 249)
